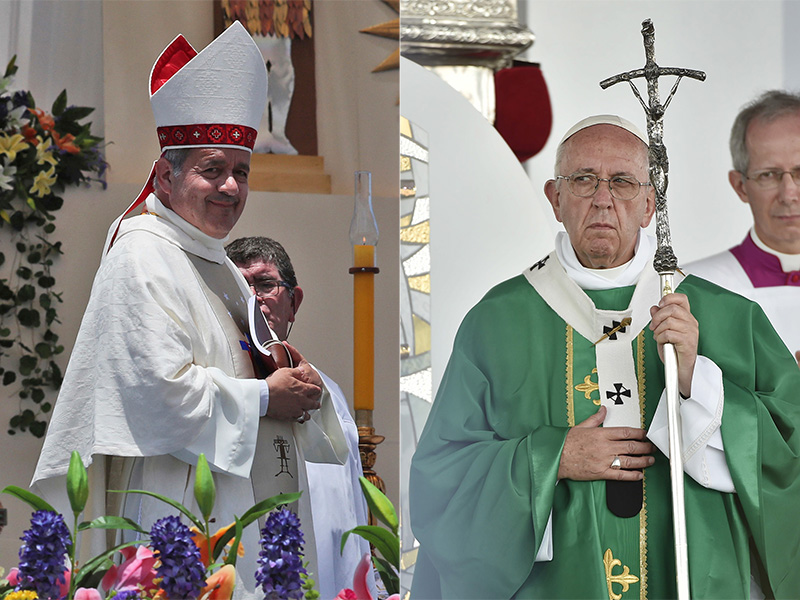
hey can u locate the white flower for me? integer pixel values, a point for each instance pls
(7, 177)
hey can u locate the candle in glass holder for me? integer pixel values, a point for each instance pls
(364, 236)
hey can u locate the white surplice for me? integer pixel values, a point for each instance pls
(159, 372)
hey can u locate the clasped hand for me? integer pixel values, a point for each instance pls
(294, 392)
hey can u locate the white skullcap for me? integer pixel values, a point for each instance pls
(215, 98)
(604, 120)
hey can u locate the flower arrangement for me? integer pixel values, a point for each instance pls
(177, 561)
(171, 561)
(41, 154)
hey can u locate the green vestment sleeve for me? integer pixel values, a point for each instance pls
(480, 461)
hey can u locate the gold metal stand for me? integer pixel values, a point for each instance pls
(367, 442)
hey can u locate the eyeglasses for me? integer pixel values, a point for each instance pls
(622, 187)
(771, 178)
(268, 288)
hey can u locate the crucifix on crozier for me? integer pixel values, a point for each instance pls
(282, 446)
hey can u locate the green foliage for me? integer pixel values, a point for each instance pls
(41, 155)
(385, 541)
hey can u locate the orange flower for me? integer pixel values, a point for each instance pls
(206, 545)
(65, 143)
(219, 586)
(46, 121)
(30, 133)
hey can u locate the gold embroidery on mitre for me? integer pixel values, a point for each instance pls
(588, 386)
(625, 579)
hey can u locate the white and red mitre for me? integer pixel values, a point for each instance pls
(214, 98)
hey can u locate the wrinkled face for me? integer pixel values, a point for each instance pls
(603, 230)
(278, 309)
(776, 212)
(211, 189)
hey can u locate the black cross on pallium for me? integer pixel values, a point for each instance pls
(617, 395)
(540, 264)
(616, 326)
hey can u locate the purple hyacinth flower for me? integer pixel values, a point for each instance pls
(281, 558)
(42, 555)
(181, 567)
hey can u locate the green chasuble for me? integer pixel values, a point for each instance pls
(484, 477)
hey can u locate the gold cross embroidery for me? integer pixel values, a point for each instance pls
(625, 579)
(588, 386)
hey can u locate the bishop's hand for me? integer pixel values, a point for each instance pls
(589, 451)
(672, 322)
(294, 392)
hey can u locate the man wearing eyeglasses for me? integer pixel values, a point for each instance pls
(765, 267)
(337, 503)
(543, 471)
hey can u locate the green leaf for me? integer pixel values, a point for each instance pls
(11, 68)
(76, 113)
(380, 506)
(27, 364)
(38, 428)
(233, 554)
(77, 483)
(43, 349)
(29, 317)
(197, 522)
(390, 579)
(112, 523)
(384, 541)
(60, 104)
(204, 491)
(46, 281)
(37, 394)
(29, 498)
(9, 377)
(26, 293)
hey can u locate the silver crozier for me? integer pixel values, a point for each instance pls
(666, 264)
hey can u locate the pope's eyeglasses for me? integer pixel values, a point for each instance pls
(584, 185)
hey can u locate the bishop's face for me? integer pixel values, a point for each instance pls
(602, 230)
(211, 189)
(773, 145)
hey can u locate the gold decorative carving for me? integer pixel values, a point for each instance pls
(625, 579)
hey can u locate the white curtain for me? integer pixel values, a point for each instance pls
(59, 45)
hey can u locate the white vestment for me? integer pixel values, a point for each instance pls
(338, 505)
(159, 372)
(780, 303)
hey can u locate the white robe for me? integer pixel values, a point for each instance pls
(780, 303)
(158, 372)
